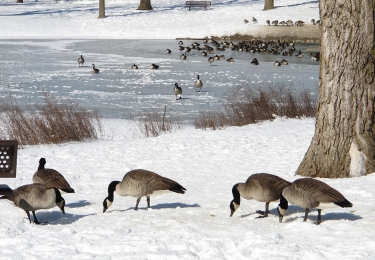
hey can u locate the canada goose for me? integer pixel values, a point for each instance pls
(262, 187)
(81, 60)
(313, 21)
(181, 48)
(168, 51)
(299, 23)
(282, 23)
(254, 20)
(299, 54)
(36, 196)
(198, 84)
(277, 63)
(222, 57)
(275, 22)
(134, 67)
(51, 178)
(139, 183)
(284, 62)
(211, 60)
(180, 43)
(268, 22)
(289, 22)
(177, 91)
(183, 56)
(255, 61)
(245, 21)
(230, 60)
(94, 70)
(187, 49)
(204, 53)
(154, 66)
(309, 193)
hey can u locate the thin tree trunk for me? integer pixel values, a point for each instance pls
(101, 9)
(268, 4)
(145, 5)
(344, 144)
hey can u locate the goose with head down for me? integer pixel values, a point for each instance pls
(310, 193)
(262, 187)
(141, 183)
(36, 196)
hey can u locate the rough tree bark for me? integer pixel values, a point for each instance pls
(145, 5)
(101, 9)
(344, 144)
(268, 4)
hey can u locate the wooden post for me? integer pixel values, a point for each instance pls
(101, 9)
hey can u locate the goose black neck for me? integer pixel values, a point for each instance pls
(236, 194)
(283, 203)
(42, 162)
(59, 198)
(111, 189)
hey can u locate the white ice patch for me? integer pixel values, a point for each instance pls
(357, 162)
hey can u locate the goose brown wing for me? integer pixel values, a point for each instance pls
(319, 191)
(272, 182)
(154, 181)
(52, 179)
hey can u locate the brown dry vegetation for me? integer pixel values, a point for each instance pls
(248, 105)
(54, 121)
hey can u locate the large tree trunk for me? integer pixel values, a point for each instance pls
(268, 4)
(344, 144)
(101, 9)
(145, 5)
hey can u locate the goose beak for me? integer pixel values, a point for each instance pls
(104, 209)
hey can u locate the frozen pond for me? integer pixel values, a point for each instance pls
(29, 67)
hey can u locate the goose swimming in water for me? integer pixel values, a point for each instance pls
(94, 70)
(310, 193)
(36, 196)
(140, 183)
(254, 61)
(262, 187)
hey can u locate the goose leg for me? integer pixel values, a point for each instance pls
(35, 219)
(28, 215)
(319, 217)
(306, 213)
(264, 213)
(136, 205)
(148, 201)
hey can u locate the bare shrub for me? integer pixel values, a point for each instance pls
(244, 105)
(210, 119)
(153, 123)
(54, 121)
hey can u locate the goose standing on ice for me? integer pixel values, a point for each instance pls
(262, 187)
(134, 67)
(51, 178)
(81, 60)
(211, 60)
(309, 193)
(177, 91)
(140, 183)
(198, 84)
(94, 70)
(36, 196)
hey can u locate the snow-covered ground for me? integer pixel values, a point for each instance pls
(169, 19)
(195, 225)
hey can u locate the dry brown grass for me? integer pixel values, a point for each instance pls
(153, 123)
(54, 121)
(247, 105)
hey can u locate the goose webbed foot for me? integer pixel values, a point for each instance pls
(263, 213)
